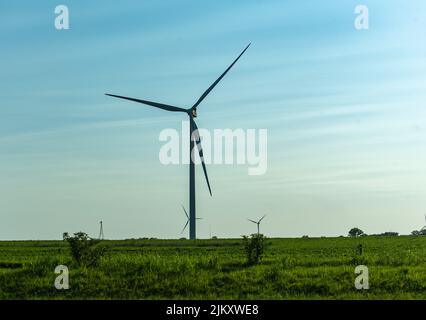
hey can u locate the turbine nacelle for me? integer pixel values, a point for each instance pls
(194, 112)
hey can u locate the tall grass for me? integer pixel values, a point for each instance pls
(165, 269)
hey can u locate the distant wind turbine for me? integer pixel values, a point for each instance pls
(194, 139)
(424, 228)
(101, 231)
(258, 223)
(187, 221)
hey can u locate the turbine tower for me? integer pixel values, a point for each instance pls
(101, 231)
(194, 139)
(257, 222)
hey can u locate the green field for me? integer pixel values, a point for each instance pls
(311, 268)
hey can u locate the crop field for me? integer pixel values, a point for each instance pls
(306, 268)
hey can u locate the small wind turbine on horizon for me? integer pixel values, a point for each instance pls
(187, 221)
(101, 230)
(424, 228)
(258, 223)
(194, 139)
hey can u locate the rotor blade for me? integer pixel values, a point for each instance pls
(252, 221)
(200, 152)
(185, 212)
(186, 224)
(220, 78)
(150, 103)
(262, 218)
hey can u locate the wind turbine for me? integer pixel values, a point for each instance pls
(101, 231)
(187, 221)
(194, 138)
(424, 228)
(257, 222)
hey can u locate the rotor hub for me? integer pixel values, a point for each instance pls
(194, 112)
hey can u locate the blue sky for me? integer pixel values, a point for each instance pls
(344, 110)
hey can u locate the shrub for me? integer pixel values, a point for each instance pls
(389, 234)
(419, 233)
(254, 247)
(85, 251)
(356, 232)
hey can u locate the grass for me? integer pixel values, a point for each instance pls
(311, 268)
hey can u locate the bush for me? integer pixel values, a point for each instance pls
(85, 251)
(419, 233)
(356, 232)
(254, 248)
(389, 234)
